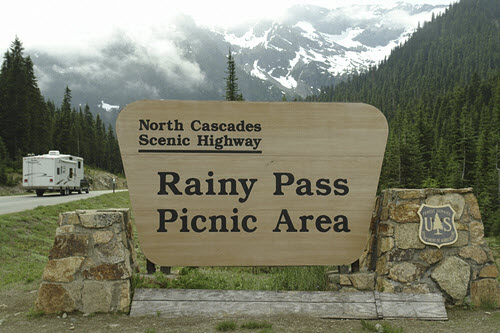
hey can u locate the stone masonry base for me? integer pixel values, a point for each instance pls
(90, 263)
(396, 261)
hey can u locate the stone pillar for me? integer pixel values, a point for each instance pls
(405, 264)
(90, 264)
(401, 263)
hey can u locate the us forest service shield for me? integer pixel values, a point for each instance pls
(437, 226)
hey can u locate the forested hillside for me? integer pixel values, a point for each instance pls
(29, 124)
(440, 92)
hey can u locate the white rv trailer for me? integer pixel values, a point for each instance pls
(54, 172)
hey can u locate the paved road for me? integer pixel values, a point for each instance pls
(18, 203)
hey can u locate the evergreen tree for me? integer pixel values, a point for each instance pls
(100, 138)
(232, 90)
(88, 135)
(391, 169)
(63, 128)
(14, 97)
(113, 152)
(3, 163)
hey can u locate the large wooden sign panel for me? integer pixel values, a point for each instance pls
(251, 184)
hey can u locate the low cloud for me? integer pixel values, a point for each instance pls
(154, 59)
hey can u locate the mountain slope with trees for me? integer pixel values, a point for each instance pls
(31, 125)
(440, 92)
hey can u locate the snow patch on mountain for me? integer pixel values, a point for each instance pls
(346, 38)
(287, 81)
(258, 72)
(108, 107)
(309, 31)
(294, 61)
(249, 40)
(377, 54)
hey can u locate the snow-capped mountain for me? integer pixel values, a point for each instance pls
(295, 54)
(312, 46)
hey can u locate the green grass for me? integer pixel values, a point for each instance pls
(368, 326)
(32, 313)
(266, 330)
(255, 325)
(240, 278)
(26, 237)
(488, 304)
(226, 326)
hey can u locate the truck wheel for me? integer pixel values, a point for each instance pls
(87, 191)
(39, 193)
(80, 191)
(63, 192)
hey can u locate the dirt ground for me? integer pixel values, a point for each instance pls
(15, 305)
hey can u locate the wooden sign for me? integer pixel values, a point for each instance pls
(251, 184)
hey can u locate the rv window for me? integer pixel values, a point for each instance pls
(70, 172)
(79, 165)
(58, 171)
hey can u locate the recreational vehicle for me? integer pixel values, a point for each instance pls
(54, 172)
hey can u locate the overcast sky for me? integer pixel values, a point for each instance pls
(58, 26)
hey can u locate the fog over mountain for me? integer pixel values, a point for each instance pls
(307, 47)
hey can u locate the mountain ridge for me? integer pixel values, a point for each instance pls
(309, 47)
